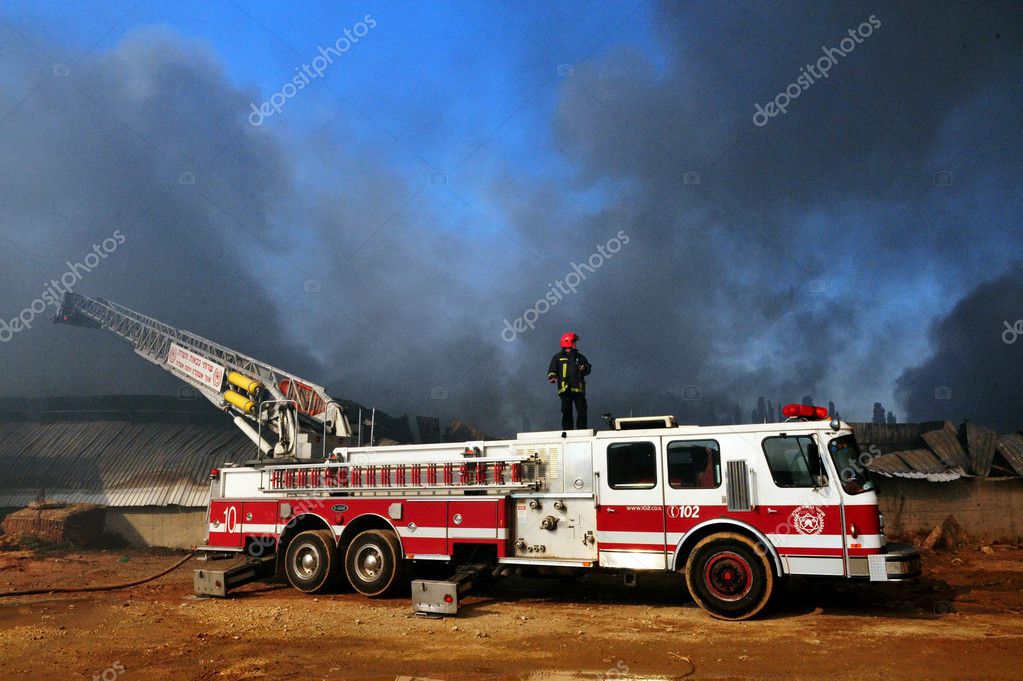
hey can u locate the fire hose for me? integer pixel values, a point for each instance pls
(103, 587)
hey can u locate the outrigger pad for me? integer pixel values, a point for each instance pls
(435, 597)
(440, 597)
(217, 583)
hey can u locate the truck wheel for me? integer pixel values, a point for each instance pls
(311, 561)
(729, 577)
(374, 563)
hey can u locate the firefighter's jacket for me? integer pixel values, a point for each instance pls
(570, 369)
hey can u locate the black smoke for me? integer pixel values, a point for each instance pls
(144, 142)
(976, 369)
(800, 257)
(784, 259)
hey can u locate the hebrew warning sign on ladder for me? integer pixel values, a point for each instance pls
(195, 367)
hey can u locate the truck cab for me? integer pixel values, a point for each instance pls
(737, 508)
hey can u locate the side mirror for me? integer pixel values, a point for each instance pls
(813, 456)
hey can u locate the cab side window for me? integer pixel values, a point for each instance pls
(694, 464)
(632, 465)
(789, 461)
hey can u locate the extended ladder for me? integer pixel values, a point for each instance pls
(257, 391)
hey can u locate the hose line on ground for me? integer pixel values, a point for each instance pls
(104, 587)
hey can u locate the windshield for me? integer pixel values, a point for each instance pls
(850, 465)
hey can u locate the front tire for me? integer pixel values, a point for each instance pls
(311, 561)
(729, 576)
(374, 563)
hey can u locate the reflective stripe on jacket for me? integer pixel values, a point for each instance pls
(570, 368)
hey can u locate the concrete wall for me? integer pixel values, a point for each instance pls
(163, 526)
(987, 510)
(170, 526)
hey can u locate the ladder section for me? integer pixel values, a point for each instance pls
(488, 475)
(162, 344)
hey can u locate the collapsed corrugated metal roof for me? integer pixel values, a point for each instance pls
(130, 450)
(116, 451)
(115, 463)
(904, 451)
(914, 463)
(939, 452)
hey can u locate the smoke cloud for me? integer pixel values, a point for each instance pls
(805, 256)
(977, 366)
(145, 142)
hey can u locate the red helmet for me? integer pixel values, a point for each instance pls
(568, 340)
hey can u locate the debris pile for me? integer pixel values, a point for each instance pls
(56, 523)
(948, 534)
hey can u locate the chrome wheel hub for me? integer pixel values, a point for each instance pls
(369, 562)
(306, 562)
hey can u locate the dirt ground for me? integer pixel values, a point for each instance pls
(961, 620)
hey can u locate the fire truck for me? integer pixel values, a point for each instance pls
(735, 509)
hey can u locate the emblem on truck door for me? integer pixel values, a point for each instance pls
(807, 519)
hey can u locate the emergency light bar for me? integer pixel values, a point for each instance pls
(804, 411)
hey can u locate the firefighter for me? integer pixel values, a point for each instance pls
(568, 370)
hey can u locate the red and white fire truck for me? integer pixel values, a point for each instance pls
(734, 509)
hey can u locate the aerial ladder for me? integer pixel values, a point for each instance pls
(285, 416)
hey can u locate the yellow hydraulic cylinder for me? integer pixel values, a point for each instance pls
(249, 385)
(240, 401)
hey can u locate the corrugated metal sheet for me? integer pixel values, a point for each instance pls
(1011, 448)
(921, 464)
(115, 463)
(981, 443)
(889, 465)
(894, 437)
(945, 444)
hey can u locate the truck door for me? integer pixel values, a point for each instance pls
(630, 504)
(691, 470)
(800, 511)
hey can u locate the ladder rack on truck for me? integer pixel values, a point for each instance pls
(473, 468)
(355, 479)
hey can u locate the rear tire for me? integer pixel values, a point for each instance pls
(729, 576)
(311, 561)
(374, 563)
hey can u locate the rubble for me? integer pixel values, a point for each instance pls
(53, 523)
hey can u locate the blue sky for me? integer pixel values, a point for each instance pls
(438, 81)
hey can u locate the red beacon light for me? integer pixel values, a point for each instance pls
(804, 411)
